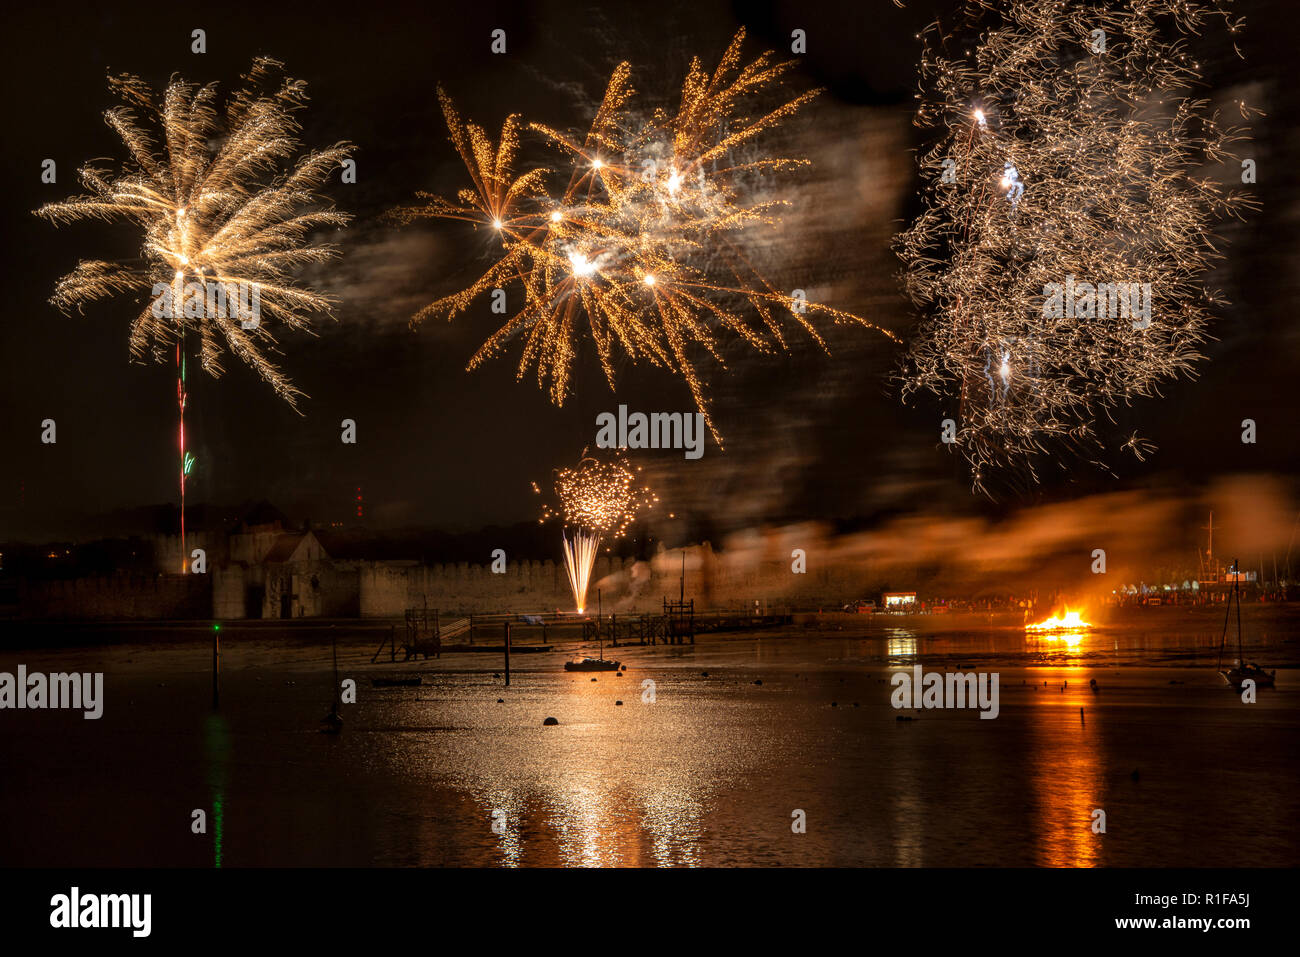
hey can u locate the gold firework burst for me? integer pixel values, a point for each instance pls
(601, 496)
(231, 217)
(644, 247)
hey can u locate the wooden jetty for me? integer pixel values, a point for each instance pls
(674, 627)
(422, 637)
(427, 633)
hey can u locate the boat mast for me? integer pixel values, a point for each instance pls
(1236, 583)
(1208, 571)
(1223, 639)
(1209, 552)
(1235, 571)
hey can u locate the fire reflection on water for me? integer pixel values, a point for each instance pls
(1067, 770)
(1066, 754)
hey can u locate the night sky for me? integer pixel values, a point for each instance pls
(808, 436)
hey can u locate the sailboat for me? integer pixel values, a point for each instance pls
(594, 664)
(1244, 671)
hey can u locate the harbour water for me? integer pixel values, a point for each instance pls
(739, 735)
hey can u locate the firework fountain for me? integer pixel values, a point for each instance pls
(1069, 147)
(594, 499)
(224, 227)
(650, 240)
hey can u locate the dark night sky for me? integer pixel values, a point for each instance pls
(807, 436)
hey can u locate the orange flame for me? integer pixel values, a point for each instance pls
(1070, 621)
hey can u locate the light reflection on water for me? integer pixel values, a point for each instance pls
(707, 775)
(1071, 638)
(216, 741)
(900, 645)
(673, 815)
(909, 812)
(1068, 780)
(578, 814)
(611, 785)
(503, 807)
(1068, 775)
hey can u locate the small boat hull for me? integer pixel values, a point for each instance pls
(1238, 676)
(592, 664)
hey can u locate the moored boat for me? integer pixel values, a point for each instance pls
(1245, 671)
(592, 664)
(1251, 672)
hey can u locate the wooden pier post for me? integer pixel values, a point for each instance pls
(507, 654)
(216, 666)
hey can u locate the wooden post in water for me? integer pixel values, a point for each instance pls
(507, 654)
(334, 651)
(216, 667)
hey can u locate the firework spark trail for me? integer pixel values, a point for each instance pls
(579, 558)
(1064, 161)
(595, 499)
(644, 248)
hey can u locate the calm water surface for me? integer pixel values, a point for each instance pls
(708, 774)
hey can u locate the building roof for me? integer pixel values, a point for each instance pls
(294, 547)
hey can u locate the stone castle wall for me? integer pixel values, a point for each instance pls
(753, 569)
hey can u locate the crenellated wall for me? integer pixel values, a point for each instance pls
(388, 588)
(617, 585)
